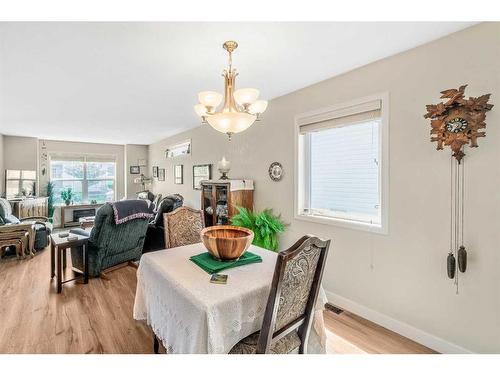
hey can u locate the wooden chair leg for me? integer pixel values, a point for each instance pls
(156, 344)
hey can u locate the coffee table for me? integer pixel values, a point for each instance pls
(58, 248)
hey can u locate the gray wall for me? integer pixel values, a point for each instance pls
(20, 152)
(397, 279)
(25, 153)
(133, 153)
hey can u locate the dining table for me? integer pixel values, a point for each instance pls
(191, 315)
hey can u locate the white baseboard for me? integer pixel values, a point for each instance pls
(406, 330)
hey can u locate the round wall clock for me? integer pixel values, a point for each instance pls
(276, 171)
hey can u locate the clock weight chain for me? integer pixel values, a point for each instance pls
(457, 253)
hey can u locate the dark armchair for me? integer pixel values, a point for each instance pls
(109, 243)
(155, 236)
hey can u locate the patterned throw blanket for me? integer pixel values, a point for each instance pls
(130, 210)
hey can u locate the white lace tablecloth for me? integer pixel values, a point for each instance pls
(191, 315)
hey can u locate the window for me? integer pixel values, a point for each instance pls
(179, 149)
(90, 178)
(19, 182)
(342, 165)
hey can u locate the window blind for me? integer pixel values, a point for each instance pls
(84, 158)
(341, 117)
(342, 171)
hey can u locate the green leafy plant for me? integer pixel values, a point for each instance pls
(67, 195)
(50, 200)
(265, 225)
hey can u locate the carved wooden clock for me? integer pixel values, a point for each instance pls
(457, 122)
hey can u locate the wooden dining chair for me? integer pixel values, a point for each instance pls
(182, 226)
(290, 307)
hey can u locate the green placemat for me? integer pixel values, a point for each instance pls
(211, 265)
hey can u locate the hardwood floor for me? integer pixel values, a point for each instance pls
(97, 318)
(350, 334)
(93, 318)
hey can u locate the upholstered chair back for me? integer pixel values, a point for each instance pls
(294, 291)
(6, 216)
(183, 226)
(5, 208)
(167, 204)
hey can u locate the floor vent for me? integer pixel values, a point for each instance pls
(334, 309)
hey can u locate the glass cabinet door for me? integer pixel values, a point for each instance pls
(207, 205)
(221, 198)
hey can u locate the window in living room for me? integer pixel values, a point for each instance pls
(90, 178)
(341, 168)
(19, 183)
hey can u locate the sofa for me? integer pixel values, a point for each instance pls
(155, 235)
(110, 243)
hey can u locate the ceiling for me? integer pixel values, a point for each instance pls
(137, 82)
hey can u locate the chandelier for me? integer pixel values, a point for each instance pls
(240, 109)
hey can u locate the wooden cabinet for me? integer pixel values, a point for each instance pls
(220, 198)
(30, 207)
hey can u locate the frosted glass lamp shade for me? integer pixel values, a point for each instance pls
(246, 96)
(210, 98)
(200, 110)
(231, 122)
(258, 107)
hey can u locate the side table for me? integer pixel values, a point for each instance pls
(58, 247)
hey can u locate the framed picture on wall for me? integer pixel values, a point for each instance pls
(161, 174)
(201, 172)
(155, 171)
(178, 174)
(135, 169)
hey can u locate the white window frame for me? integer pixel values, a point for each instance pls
(179, 149)
(85, 180)
(20, 181)
(300, 179)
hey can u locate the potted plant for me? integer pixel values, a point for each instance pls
(67, 196)
(265, 225)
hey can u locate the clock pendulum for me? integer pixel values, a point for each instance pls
(457, 122)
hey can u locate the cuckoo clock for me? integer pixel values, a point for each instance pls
(456, 122)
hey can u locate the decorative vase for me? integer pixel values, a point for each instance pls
(67, 201)
(462, 259)
(451, 265)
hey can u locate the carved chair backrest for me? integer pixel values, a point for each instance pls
(183, 226)
(294, 291)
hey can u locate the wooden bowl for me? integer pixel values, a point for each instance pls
(226, 242)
